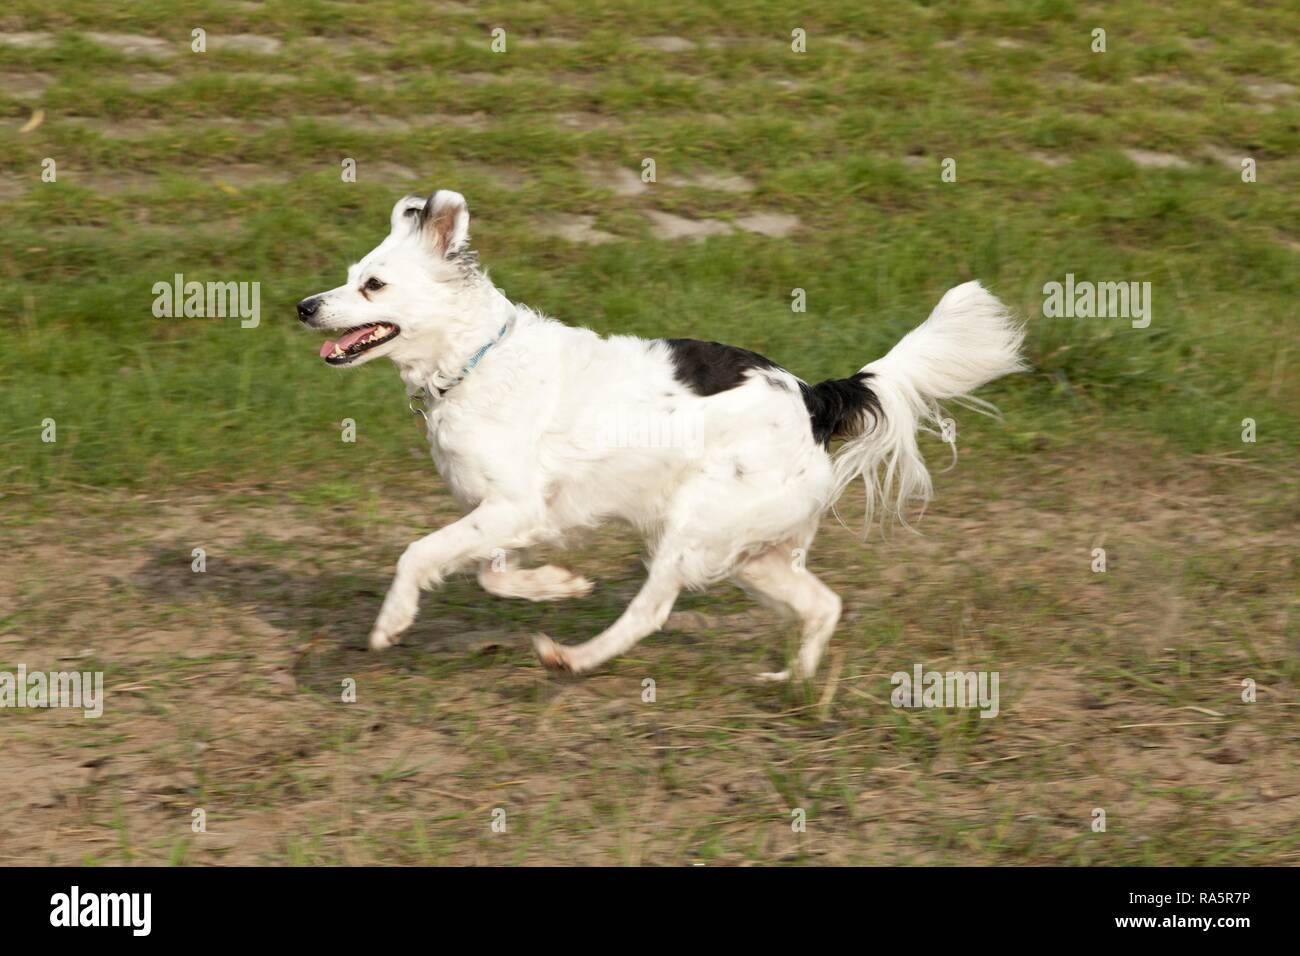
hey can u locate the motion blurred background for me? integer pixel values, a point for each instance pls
(775, 170)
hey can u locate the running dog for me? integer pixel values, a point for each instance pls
(721, 459)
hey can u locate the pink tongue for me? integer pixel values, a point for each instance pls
(352, 338)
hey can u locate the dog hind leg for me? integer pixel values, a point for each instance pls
(773, 576)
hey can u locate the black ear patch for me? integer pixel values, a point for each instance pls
(422, 212)
(707, 368)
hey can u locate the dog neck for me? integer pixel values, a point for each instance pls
(432, 376)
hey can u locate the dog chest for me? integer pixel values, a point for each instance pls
(464, 457)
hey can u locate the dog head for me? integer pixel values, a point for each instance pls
(411, 295)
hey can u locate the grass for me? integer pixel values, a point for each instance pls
(177, 433)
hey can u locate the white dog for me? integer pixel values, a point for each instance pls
(718, 456)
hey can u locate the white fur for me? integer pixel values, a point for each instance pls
(557, 428)
(969, 340)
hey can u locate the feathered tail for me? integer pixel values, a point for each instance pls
(969, 340)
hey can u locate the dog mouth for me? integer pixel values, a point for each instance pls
(356, 341)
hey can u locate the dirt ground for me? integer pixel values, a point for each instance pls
(1120, 691)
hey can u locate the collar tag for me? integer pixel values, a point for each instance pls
(416, 404)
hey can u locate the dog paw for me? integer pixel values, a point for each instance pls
(547, 583)
(551, 654)
(571, 585)
(396, 615)
(773, 677)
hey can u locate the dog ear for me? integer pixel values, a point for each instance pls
(406, 214)
(444, 221)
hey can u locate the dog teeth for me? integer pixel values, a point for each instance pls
(378, 335)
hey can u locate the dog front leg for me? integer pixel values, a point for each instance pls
(645, 615)
(427, 561)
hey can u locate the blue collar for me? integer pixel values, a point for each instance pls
(420, 395)
(479, 355)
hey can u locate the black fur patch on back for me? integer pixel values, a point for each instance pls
(708, 368)
(838, 407)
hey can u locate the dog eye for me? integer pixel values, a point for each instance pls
(373, 284)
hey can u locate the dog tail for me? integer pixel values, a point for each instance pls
(969, 340)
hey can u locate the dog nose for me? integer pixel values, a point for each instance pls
(307, 308)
